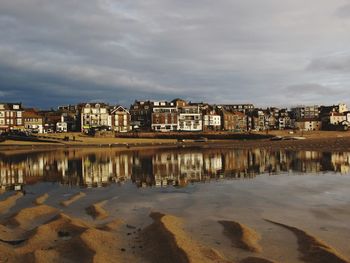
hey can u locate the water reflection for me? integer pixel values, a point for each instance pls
(100, 167)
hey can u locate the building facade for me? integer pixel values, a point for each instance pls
(94, 116)
(164, 116)
(11, 117)
(190, 119)
(305, 112)
(33, 122)
(308, 125)
(120, 119)
(140, 113)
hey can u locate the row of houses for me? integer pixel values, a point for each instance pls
(175, 115)
(72, 118)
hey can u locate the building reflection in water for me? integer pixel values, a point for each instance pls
(162, 167)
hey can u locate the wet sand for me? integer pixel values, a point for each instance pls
(269, 219)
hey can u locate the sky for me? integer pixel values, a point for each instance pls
(265, 52)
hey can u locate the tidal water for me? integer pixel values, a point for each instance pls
(177, 167)
(306, 189)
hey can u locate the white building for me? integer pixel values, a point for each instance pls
(336, 118)
(190, 119)
(94, 115)
(342, 107)
(61, 126)
(212, 122)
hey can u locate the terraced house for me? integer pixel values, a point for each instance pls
(211, 119)
(120, 119)
(11, 116)
(190, 119)
(32, 121)
(164, 116)
(141, 112)
(94, 115)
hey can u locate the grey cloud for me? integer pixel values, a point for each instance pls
(337, 63)
(308, 89)
(343, 11)
(223, 51)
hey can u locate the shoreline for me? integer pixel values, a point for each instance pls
(314, 141)
(314, 144)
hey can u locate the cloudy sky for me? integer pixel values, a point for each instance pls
(267, 52)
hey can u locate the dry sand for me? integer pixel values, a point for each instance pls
(73, 199)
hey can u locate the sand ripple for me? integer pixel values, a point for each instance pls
(242, 236)
(9, 202)
(32, 216)
(66, 239)
(97, 211)
(168, 242)
(73, 199)
(313, 249)
(41, 199)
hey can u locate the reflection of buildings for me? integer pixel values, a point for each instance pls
(341, 162)
(190, 165)
(181, 168)
(160, 167)
(96, 173)
(166, 169)
(11, 177)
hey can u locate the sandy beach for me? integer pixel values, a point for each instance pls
(313, 140)
(281, 218)
(102, 226)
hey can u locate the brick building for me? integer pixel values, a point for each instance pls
(11, 116)
(164, 116)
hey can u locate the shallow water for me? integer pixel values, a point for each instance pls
(159, 167)
(306, 189)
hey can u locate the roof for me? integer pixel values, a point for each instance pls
(31, 114)
(119, 108)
